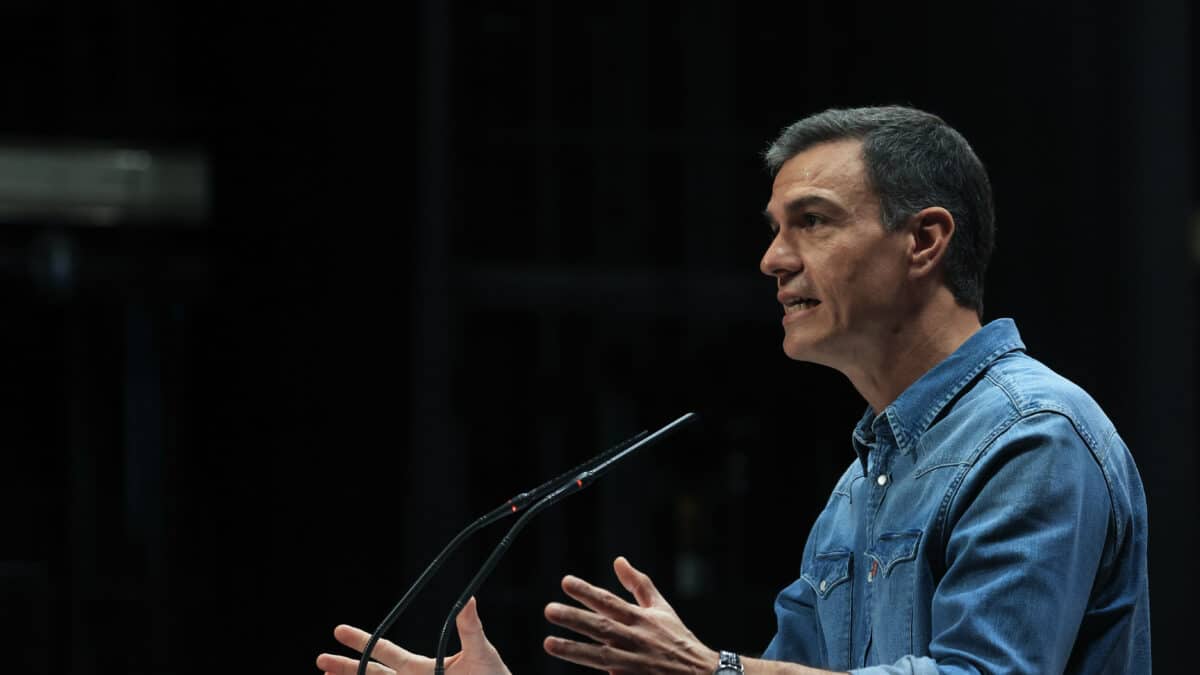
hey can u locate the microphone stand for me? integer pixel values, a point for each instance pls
(580, 481)
(506, 509)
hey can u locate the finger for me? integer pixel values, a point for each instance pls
(638, 583)
(596, 626)
(352, 637)
(600, 600)
(470, 628)
(340, 665)
(385, 651)
(600, 657)
(471, 635)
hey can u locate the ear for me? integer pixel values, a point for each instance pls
(931, 229)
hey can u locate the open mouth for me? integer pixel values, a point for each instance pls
(799, 305)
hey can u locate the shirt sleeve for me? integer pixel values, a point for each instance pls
(1024, 536)
(797, 639)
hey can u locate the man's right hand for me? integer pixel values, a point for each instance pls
(478, 656)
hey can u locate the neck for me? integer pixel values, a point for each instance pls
(909, 349)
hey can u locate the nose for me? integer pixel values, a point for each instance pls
(780, 259)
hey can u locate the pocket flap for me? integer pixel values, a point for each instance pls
(826, 570)
(895, 547)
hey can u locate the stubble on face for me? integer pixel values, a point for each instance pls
(830, 246)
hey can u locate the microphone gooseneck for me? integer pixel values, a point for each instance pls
(581, 480)
(508, 508)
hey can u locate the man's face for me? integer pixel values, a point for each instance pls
(841, 276)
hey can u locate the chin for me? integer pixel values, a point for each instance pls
(797, 351)
(804, 350)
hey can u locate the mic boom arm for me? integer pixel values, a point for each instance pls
(508, 508)
(582, 480)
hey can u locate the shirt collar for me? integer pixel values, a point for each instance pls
(909, 416)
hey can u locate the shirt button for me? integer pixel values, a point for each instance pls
(824, 585)
(882, 480)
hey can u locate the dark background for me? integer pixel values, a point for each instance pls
(455, 248)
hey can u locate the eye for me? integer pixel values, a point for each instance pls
(811, 219)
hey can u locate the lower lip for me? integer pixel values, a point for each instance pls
(789, 317)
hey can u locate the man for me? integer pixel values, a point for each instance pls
(992, 521)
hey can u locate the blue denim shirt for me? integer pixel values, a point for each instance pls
(993, 522)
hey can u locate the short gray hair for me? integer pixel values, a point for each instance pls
(913, 160)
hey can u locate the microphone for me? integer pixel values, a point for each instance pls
(578, 482)
(508, 508)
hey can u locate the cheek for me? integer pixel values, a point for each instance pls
(847, 276)
(870, 281)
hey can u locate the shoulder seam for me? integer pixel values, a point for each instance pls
(1001, 429)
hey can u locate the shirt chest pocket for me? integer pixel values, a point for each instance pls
(828, 573)
(891, 580)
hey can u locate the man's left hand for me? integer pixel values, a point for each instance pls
(647, 637)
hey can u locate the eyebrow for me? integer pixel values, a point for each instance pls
(798, 205)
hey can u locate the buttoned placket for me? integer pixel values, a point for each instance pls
(879, 462)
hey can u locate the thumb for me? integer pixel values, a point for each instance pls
(639, 584)
(470, 628)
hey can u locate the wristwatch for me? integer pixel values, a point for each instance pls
(729, 663)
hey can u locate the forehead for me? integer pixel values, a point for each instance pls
(833, 170)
